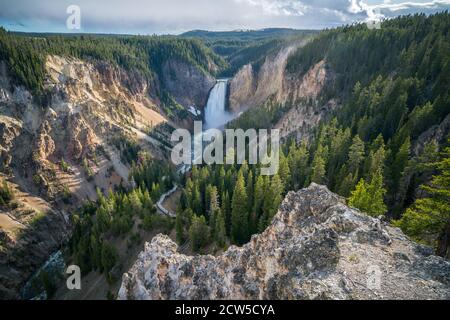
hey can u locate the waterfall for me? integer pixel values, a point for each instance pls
(215, 114)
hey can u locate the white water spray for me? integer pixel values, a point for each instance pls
(215, 117)
(215, 114)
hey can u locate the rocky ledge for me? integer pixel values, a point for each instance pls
(315, 248)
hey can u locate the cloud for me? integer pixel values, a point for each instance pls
(172, 16)
(277, 7)
(388, 9)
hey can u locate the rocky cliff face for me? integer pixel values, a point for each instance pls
(187, 84)
(315, 248)
(27, 237)
(251, 88)
(88, 106)
(57, 155)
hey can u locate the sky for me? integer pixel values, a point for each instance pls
(176, 16)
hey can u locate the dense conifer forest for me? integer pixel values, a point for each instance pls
(399, 83)
(391, 84)
(26, 54)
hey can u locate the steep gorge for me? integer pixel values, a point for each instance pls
(55, 155)
(59, 155)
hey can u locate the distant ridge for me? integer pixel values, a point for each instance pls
(261, 33)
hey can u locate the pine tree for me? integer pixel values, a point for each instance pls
(184, 200)
(377, 157)
(194, 173)
(266, 205)
(428, 218)
(347, 185)
(272, 200)
(250, 190)
(103, 219)
(359, 197)
(257, 204)
(244, 169)
(399, 165)
(284, 172)
(179, 228)
(369, 197)
(318, 169)
(207, 200)
(276, 194)
(338, 152)
(197, 200)
(220, 181)
(212, 199)
(226, 211)
(377, 193)
(156, 191)
(423, 163)
(147, 202)
(108, 257)
(298, 164)
(182, 223)
(220, 232)
(95, 251)
(135, 202)
(239, 212)
(198, 233)
(189, 191)
(356, 154)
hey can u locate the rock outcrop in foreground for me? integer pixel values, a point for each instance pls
(315, 248)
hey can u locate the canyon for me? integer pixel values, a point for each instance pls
(94, 109)
(86, 176)
(57, 157)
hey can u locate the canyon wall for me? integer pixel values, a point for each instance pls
(58, 152)
(189, 85)
(251, 87)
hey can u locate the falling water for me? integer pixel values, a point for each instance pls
(215, 114)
